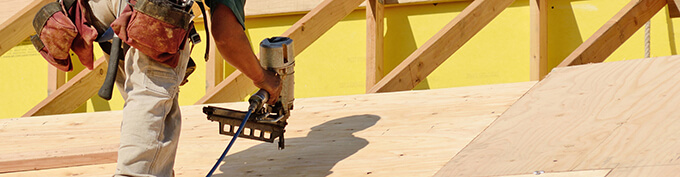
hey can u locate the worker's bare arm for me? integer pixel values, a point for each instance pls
(233, 44)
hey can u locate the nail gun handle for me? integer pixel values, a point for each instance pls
(107, 88)
(258, 99)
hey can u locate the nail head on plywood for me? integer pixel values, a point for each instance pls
(539, 172)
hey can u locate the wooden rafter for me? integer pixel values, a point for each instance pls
(19, 26)
(74, 93)
(539, 39)
(304, 32)
(673, 9)
(374, 41)
(441, 46)
(55, 79)
(214, 67)
(614, 33)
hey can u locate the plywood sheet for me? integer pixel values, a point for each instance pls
(599, 116)
(395, 134)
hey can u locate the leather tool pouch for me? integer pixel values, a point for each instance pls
(57, 31)
(155, 27)
(63, 26)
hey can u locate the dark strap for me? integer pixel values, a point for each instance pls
(207, 31)
(43, 14)
(68, 4)
(194, 37)
(37, 43)
(40, 20)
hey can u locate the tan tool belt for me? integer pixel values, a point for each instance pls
(61, 26)
(156, 28)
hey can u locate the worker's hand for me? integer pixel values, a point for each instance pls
(272, 84)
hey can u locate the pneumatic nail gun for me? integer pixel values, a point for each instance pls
(266, 122)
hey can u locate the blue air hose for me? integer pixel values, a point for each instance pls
(233, 139)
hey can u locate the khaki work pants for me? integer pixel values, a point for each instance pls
(150, 128)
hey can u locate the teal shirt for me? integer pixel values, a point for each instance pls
(236, 6)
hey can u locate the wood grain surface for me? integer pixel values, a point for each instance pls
(394, 134)
(599, 116)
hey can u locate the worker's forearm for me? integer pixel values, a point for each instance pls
(240, 55)
(233, 44)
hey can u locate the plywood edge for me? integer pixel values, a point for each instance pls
(575, 173)
(656, 170)
(58, 162)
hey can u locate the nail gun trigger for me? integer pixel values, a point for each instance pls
(262, 116)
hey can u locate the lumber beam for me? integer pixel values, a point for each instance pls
(374, 41)
(304, 32)
(441, 46)
(539, 39)
(19, 26)
(58, 162)
(214, 67)
(55, 79)
(74, 93)
(673, 9)
(614, 33)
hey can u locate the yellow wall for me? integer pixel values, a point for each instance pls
(335, 63)
(24, 80)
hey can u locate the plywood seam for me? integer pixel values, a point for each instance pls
(495, 120)
(548, 172)
(600, 144)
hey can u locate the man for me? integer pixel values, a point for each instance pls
(151, 116)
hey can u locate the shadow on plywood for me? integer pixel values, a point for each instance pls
(315, 155)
